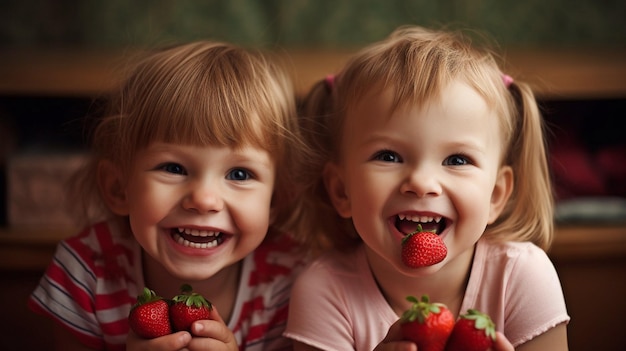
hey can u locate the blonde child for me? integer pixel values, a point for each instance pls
(424, 128)
(190, 169)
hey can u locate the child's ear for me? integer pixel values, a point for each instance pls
(501, 192)
(335, 187)
(111, 184)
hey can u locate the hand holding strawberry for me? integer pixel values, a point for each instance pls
(427, 324)
(187, 308)
(432, 327)
(422, 249)
(149, 317)
(474, 331)
(153, 316)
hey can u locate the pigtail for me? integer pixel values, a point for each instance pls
(317, 221)
(529, 212)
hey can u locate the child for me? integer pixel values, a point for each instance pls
(195, 165)
(424, 129)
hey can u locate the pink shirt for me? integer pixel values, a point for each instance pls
(95, 277)
(336, 304)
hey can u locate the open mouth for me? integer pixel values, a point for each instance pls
(199, 239)
(408, 224)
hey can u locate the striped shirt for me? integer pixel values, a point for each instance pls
(94, 279)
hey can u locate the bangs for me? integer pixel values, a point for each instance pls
(221, 101)
(417, 70)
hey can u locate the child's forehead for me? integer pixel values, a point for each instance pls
(393, 97)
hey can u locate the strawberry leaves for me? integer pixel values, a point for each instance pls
(187, 308)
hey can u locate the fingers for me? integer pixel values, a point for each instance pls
(208, 334)
(213, 333)
(169, 342)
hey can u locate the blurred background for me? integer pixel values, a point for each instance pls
(302, 23)
(58, 58)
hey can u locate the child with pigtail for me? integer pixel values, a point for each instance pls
(423, 129)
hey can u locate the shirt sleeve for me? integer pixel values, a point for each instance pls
(91, 284)
(534, 301)
(317, 312)
(65, 293)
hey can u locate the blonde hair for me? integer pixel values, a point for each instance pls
(416, 64)
(201, 93)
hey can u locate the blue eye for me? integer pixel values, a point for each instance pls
(456, 160)
(174, 168)
(238, 174)
(387, 156)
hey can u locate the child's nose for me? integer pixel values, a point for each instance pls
(421, 182)
(204, 197)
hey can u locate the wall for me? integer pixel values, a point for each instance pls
(297, 23)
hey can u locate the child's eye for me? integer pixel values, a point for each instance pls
(387, 156)
(174, 168)
(238, 174)
(456, 160)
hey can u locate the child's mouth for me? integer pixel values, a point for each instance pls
(199, 239)
(408, 224)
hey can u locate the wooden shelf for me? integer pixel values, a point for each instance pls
(569, 74)
(29, 249)
(587, 241)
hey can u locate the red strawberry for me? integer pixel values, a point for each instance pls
(421, 249)
(149, 317)
(474, 331)
(187, 308)
(427, 324)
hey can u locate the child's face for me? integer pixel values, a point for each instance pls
(197, 209)
(438, 162)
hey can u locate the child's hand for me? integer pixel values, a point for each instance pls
(393, 341)
(212, 334)
(170, 342)
(207, 334)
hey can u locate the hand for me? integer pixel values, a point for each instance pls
(393, 341)
(171, 342)
(209, 334)
(502, 343)
(212, 334)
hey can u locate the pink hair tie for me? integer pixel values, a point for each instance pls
(330, 81)
(507, 80)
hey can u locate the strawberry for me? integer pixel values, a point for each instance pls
(422, 249)
(427, 324)
(149, 317)
(474, 331)
(187, 308)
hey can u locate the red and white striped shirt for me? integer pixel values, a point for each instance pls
(95, 277)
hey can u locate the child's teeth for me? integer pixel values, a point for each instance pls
(419, 219)
(196, 232)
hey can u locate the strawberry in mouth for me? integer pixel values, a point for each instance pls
(196, 238)
(421, 246)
